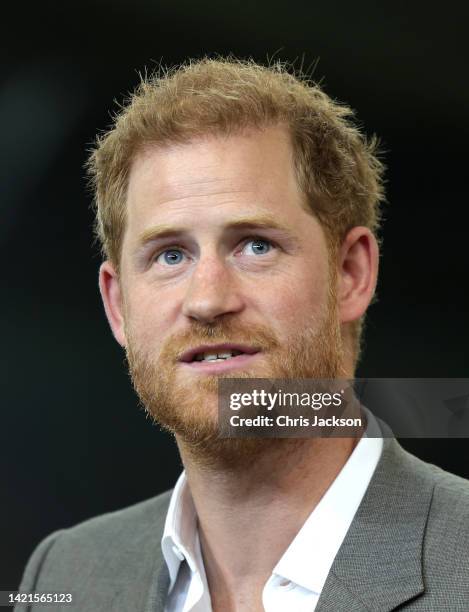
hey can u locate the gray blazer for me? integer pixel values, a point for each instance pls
(407, 548)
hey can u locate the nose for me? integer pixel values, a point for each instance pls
(212, 291)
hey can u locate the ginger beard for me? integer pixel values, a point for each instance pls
(186, 404)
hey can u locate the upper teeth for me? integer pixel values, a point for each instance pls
(210, 356)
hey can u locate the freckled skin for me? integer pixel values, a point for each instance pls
(187, 265)
(203, 185)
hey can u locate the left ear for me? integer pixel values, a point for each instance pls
(357, 273)
(111, 294)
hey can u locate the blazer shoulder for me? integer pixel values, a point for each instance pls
(148, 513)
(446, 536)
(449, 488)
(127, 527)
(445, 482)
(446, 542)
(109, 542)
(451, 500)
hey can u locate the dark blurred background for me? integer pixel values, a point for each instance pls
(74, 442)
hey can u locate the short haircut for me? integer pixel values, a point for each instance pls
(336, 165)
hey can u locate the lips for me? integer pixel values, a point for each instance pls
(243, 349)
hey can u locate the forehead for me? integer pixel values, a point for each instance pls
(212, 178)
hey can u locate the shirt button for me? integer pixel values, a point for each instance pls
(284, 582)
(178, 553)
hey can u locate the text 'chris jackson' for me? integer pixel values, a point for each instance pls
(286, 421)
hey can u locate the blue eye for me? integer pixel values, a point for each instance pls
(170, 257)
(259, 246)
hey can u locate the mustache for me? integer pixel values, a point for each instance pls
(218, 333)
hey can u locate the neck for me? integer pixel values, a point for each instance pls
(249, 514)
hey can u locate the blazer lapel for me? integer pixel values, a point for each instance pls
(157, 582)
(379, 565)
(159, 588)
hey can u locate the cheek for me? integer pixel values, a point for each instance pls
(293, 302)
(149, 319)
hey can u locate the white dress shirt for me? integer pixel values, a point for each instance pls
(297, 580)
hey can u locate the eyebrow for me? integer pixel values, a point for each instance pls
(157, 232)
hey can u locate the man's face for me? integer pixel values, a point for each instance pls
(220, 255)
